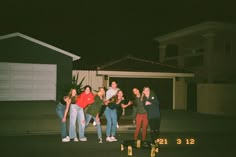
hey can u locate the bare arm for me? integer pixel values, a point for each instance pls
(126, 105)
(68, 101)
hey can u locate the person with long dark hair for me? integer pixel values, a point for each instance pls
(111, 114)
(62, 109)
(141, 115)
(77, 113)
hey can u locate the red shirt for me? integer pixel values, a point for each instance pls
(84, 100)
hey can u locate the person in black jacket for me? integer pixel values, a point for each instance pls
(151, 104)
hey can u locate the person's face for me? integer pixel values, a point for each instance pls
(146, 92)
(102, 91)
(87, 90)
(114, 85)
(73, 92)
(120, 94)
(135, 91)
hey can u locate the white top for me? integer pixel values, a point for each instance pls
(111, 92)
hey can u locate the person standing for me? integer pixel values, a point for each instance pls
(77, 113)
(93, 111)
(111, 114)
(141, 115)
(151, 104)
(112, 90)
(62, 109)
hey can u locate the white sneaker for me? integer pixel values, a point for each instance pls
(83, 139)
(65, 139)
(108, 139)
(113, 139)
(99, 140)
(76, 139)
(94, 123)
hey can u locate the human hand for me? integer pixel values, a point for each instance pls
(148, 103)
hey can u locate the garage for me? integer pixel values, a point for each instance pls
(20, 81)
(168, 82)
(163, 88)
(33, 70)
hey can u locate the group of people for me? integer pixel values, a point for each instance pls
(111, 103)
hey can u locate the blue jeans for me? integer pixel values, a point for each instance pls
(111, 117)
(60, 110)
(98, 124)
(76, 113)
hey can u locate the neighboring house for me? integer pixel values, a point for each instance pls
(130, 72)
(207, 49)
(33, 70)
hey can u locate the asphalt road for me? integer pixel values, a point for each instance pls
(173, 145)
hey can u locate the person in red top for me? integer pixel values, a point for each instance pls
(85, 98)
(77, 113)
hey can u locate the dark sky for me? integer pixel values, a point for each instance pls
(103, 30)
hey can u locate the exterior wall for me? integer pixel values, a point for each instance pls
(217, 99)
(19, 50)
(180, 95)
(91, 78)
(217, 66)
(223, 61)
(189, 48)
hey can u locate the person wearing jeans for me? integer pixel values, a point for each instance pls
(111, 114)
(77, 113)
(62, 110)
(93, 111)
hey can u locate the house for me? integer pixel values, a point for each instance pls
(129, 72)
(33, 70)
(207, 49)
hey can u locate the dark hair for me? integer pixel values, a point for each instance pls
(88, 86)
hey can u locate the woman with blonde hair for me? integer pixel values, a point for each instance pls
(93, 111)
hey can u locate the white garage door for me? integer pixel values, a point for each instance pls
(27, 81)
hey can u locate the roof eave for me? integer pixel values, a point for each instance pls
(75, 57)
(143, 74)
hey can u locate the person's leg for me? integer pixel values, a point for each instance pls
(73, 117)
(98, 126)
(144, 126)
(60, 110)
(154, 130)
(138, 125)
(81, 123)
(88, 117)
(114, 122)
(108, 120)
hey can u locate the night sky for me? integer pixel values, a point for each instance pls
(100, 31)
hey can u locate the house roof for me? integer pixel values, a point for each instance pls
(133, 64)
(210, 25)
(17, 34)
